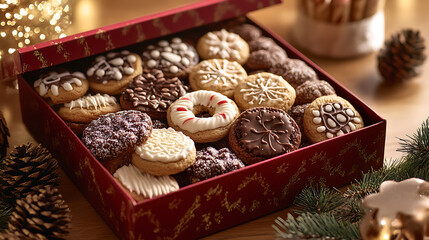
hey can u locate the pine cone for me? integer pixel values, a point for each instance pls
(402, 56)
(27, 169)
(4, 133)
(41, 216)
(7, 235)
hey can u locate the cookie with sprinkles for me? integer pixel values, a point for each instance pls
(264, 90)
(174, 57)
(110, 73)
(330, 116)
(61, 86)
(152, 93)
(223, 45)
(218, 75)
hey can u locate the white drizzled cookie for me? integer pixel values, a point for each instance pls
(264, 90)
(224, 45)
(111, 73)
(174, 58)
(143, 185)
(330, 116)
(166, 152)
(218, 75)
(61, 86)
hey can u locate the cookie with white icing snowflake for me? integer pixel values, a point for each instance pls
(166, 152)
(219, 75)
(330, 116)
(111, 73)
(61, 86)
(223, 45)
(174, 57)
(264, 90)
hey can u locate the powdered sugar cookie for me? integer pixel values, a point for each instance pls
(141, 185)
(224, 45)
(294, 71)
(174, 58)
(62, 86)
(166, 152)
(111, 73)
(219, 75)
(310, 90)
(181, 115)
(264, 90)
(330, 116)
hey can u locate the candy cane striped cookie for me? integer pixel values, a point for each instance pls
(183, 114)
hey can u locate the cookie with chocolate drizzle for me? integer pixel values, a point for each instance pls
(61, 86)
(152, 93)
(111, 73)
(263, 132)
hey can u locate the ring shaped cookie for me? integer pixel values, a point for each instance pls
(223, 111)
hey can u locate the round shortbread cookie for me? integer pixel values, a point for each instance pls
(264, 90)
(62, 86)
(223, 45)
(88, 108)
(330, 116)
(166, 152)
(182, 115)
(111, 73)
(141, 185)
(219, 75)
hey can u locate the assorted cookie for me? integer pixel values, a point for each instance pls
(181, 115)
(61, 87)
(246, 102)
(152, 93)
(262, 132)
(264, 90)
(174, 58)
(219, 75)
(223, 45)
(111, 73)
(330, 116)
(294, 71)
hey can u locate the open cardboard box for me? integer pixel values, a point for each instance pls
(208, 206)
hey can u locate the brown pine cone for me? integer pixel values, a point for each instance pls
(4, 133)
(42, 216)
(27, 169)
(402, 56)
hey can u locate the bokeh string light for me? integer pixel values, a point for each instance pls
(26, 22)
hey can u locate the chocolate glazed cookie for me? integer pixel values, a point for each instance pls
(152, 93)
(263, 132)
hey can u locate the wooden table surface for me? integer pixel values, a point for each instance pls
(405, 107)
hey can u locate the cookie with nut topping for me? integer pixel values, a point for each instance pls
(174, 57)
(152, 93)
(111, 73)
(330, 116)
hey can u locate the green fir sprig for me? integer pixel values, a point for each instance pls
(324, 213)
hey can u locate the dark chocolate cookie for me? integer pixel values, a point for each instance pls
(114, 135)
(247, 31)
(264, 54)
(263, 132)
(310, 90)
(294, 71)
(152, 93)
(174, 58)
(211, 162)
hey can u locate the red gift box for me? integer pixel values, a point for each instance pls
(207, 206)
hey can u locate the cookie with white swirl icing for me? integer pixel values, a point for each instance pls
(110, 73)
(223, 45)
(141, 185)
(175, 58)
(264, 90)
(330, 116)
(166, 152)
(62, 86)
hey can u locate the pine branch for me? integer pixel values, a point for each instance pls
(5, 211)
(315, 226)
(417, 146)
(318, 200)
